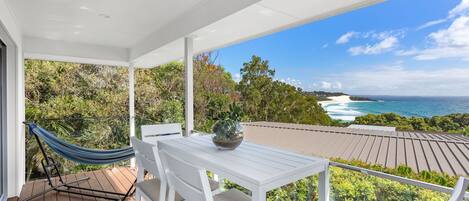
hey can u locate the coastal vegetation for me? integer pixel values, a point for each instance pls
(348, 185)
(452, 123)
(87, 105)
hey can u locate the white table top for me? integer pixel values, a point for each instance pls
(256, 164)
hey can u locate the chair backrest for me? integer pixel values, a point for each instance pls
(460, 189)
(147, 158)
(189, 181)
(153, 133)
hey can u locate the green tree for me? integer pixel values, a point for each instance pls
(453, 123)
(266, 99)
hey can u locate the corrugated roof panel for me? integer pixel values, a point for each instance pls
(420, 156)
(455, 165)
(358, 148)
(412, 134)
(391, 156)
(405, 134)
(464, 150)
(383, 152)
(431, 159)
(438, 137)
(460, 157)
(443, 137)
(401, 156)
(328, 145)
(411, 161)
(460, 138)
(441, 159)
(373, 155)
(418, 135)
(363, 156)
(347, 139)
(350, 147)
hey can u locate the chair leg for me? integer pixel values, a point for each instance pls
(138, 195)
(172, 194)
(163, 191)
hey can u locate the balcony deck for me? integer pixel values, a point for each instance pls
(117, 179)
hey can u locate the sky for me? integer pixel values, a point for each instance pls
(398, 47)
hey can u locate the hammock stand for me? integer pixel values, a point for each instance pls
(49, 166)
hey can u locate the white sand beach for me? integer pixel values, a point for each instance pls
(336, 100)
(337, 108)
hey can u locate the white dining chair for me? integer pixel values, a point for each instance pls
(460, 189)
(147, 159)
(154, 133)
(191, 182)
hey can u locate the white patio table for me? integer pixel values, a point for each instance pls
(255, 167)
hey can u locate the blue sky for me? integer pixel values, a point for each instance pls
(399, 47)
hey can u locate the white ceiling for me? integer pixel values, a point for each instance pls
(151, 32)
(117, 23)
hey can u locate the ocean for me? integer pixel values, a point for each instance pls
(403, 105)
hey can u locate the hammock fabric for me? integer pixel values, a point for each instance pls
(80, 154)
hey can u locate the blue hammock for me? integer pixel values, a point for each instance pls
(80, 154)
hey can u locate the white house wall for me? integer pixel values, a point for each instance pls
(11, 35)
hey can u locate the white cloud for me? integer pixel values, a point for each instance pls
(323, 85)
(326, 85)
(456, 35)
(381, 41)
(384, 45)
(432, 23)
(395, 79)
(237, 77)
(346, 37)
(410, 52)
(291, 81)
(325, 45)
(452, 42)
(461, 9)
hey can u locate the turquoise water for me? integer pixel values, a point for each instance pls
(402, 105)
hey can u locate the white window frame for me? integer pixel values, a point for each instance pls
(3, 155)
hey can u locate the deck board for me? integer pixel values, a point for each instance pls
(115, 179)
(51, 195)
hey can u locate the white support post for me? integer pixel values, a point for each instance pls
(132, 105)
(189, 85)
(324, 184)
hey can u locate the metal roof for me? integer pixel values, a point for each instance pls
(369, 127)
(448, 153)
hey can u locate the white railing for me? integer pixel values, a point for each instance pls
(399, 179)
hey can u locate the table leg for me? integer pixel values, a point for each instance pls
(324, 185)
(221, 184)
(259, 195)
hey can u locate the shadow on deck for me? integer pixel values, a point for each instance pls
(117, 179)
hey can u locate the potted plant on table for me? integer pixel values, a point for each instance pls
(228, 130)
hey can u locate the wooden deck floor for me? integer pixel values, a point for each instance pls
(115, 179)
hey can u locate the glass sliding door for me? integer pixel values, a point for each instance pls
(2, 120)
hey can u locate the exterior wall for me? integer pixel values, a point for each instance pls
(11, 36)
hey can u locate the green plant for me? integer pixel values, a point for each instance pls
(228, 126)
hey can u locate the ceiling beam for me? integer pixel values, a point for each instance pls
(205, 13)
(46, 49)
